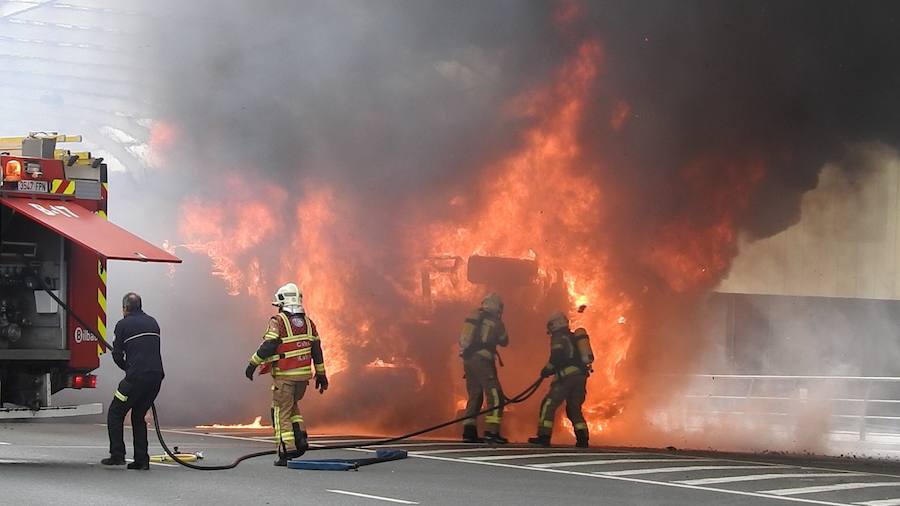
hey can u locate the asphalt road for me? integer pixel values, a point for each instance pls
(57, 463)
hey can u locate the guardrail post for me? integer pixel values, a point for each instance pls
(864, 412)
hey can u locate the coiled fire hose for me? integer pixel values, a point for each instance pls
(505, 401)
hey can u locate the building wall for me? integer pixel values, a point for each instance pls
(847, 243)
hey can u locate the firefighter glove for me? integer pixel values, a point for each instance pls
(249, 371)
(321, 382)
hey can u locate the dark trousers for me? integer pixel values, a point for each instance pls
(137, 395)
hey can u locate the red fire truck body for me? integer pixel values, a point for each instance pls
(55, 239)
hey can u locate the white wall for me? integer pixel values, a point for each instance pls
(847, 243)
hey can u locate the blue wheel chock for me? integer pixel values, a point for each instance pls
(384, 455)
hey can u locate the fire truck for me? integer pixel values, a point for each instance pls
(54, 246)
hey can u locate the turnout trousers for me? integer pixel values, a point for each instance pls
(571, 390)
(481, 381)
(286, 417)
(137, 395)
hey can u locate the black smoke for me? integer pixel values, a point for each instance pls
(389, 101)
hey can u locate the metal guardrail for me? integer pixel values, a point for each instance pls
(859, 404)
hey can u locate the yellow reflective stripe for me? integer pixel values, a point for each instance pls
(70, 190)
(276, 418)
(568, 371)
(101, 272)
(54, 185)
(485, 354)
(492, 419)
(296, 353)
(256, 359)
(287, 437)
(297, 419)
(298, 370)
(580, 425)
(320, 368)
(303, 372)
(544, 406)
(496, 413)
(270, 335)
(547, 424)
(101, 327)
(122, 397)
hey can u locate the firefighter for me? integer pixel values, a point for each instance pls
(569, 364)
(292, 352)
(482, 332)
(135, 351)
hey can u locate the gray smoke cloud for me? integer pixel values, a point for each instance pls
(393, 101)
(390, 100)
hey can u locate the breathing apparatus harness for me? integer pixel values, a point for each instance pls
(521, 397)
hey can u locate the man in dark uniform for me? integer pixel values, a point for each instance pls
(136, 351)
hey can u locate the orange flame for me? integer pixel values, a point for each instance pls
(553, 205)
(538, 204)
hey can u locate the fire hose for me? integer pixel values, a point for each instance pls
(504, 401)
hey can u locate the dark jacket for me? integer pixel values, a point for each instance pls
(137, 346)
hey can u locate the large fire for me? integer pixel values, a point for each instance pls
(537, 206)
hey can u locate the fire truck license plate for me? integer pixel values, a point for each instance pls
(33, 186)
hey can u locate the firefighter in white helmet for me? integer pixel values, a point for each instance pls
(482, 332)
(292, 352)
(570, 364)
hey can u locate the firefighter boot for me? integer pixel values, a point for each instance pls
(581, 438)
(470, 434)
(282, 459)
(113, 461)
(495, 438)
(540, 440)
(142, 466)
(302, 442)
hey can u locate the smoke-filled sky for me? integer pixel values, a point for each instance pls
(356, 123)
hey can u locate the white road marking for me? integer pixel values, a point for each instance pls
(476, 449)
(609, 461)
(223, 436)
(63, 446)
(760, 477)
(2, 443)
(632, 480)
(473, 445)
(881, 502)
(368, 496)
(10, 461)
(592, 475)
(831, 488)
(678, 469)
(540, 455)
(369, 441)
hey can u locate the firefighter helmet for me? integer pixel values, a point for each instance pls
(289, 298)
(492, 304)
(557, 321)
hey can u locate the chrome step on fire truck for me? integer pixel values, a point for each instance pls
(55, 238)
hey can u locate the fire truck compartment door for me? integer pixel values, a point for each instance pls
(89, 230)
